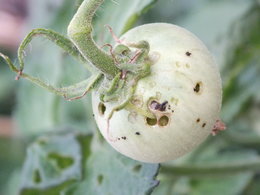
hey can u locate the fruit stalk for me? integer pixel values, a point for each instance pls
(80, 32)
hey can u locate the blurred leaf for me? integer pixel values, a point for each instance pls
(217, 153)
(108, 172)
(37, 109)
(12, 183)
(121, 15)
(12, 151)
(7, 85)
(243, 67)
(53, 162)
(254, 187)
(228, 185)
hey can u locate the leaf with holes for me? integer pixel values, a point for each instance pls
(53, 162)
(107, 171)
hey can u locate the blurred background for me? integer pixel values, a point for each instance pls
(229, 28)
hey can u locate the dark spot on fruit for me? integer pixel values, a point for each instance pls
(188, 53)
(151, 121)
(137, 133)
(172, 111)
(124, 138)
(101, 108)
(163, 121)
(198, 120)
(118, 138)
(93, 115)
(197, 87)
(204, 124)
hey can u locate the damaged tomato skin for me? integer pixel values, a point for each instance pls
(183, 91)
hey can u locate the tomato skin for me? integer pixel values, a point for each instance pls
(185, 78)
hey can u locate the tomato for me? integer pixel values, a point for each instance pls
(183, 91)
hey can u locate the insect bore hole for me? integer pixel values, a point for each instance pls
(163, 121)
(101, 108)
(198, 88)
(100, 179)
(151, 121)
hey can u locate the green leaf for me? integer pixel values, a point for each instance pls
(228, 185)
(108, 172)
(253, 187)
(54, 162)
(216, 153)
(37, 109)
(243, 66)
(7, 88)
(12, 152)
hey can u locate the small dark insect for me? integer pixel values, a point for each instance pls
(123, 138)
(188, 53)
(204, 124)
(162, 107)
(198, 120)
(137, 133)
(157, 106)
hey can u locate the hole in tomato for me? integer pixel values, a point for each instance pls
(137, 168)
(198, 87)
(151, 121)
(163, 121)
(100, 179)
(101, 108)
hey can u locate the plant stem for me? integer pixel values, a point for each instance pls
(80, 29)
(209, 170)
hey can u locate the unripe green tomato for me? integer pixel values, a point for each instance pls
(183, 91)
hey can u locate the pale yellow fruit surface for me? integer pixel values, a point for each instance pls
(185, 75)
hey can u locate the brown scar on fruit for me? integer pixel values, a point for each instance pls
(219, 126)
(204, 124)
(198, 120)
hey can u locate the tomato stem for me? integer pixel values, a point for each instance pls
(80, 32)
